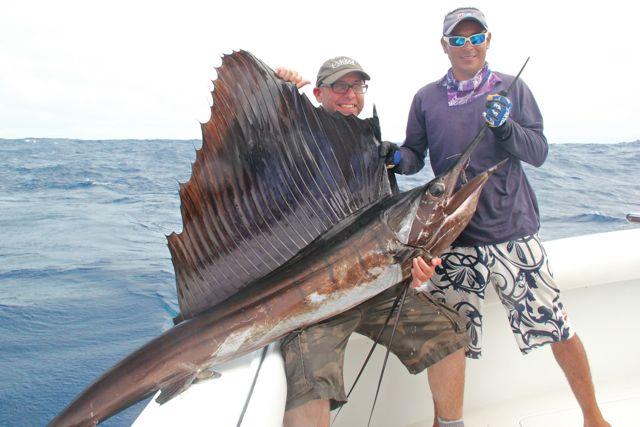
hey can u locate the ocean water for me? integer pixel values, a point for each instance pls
(86, 276)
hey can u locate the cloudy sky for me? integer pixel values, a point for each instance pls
(142, 69)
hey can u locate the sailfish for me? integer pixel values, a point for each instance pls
(288, 219)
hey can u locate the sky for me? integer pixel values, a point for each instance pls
(143, 69)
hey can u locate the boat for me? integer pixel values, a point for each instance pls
(599, 277)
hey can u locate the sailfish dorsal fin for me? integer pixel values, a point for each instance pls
(274, 173)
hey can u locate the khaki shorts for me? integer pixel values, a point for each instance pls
(314, 357)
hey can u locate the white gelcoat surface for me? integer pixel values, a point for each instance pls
(219, 402)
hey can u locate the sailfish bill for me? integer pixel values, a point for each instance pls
(288, 219)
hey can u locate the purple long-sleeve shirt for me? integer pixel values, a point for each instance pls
(507, 208)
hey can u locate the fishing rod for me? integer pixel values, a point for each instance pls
(503, 92)
(483, 129)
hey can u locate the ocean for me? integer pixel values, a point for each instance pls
(86, 276)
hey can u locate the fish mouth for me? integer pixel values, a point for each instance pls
(470, 191)
(446, 207)
(458, 211)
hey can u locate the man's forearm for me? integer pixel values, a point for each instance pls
(528, 145)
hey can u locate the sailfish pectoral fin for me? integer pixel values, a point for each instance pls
(175, 386)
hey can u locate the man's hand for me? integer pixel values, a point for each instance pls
(292, 76)
(498, 109)
(391, 153)
(422, 271)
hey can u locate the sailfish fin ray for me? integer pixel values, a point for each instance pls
(274, 173)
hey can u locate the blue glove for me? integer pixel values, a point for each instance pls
(498, 109)
(391, 153)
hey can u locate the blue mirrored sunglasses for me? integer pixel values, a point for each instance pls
(459, 41)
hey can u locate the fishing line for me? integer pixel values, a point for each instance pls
(253, 385)
(373, 347)
(386, 356)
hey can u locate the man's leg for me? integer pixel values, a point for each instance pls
(572, 358)
(314, 413)
(446, 381)
(429, 334)
(313, 359)
(523, 280)
(464, 293)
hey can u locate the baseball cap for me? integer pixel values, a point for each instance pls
(333, 69)
(456, 16)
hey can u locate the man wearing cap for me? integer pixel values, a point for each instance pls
(429, 334)
(500, 246)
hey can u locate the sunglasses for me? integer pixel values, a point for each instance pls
(459, 41)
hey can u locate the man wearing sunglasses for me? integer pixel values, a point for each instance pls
(429, 333)
(500, 246)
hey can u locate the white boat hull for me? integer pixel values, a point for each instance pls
(220, 401)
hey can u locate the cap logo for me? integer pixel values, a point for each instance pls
(342, 61)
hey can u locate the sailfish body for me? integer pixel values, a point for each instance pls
(287, 220)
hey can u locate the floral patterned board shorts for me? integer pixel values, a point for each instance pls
(314, 357)
(519, 272)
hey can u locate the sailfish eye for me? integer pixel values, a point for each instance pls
(437, 189)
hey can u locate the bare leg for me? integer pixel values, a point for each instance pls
(435, 413)
(314, 413)
(572, 358)
(446, 380)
